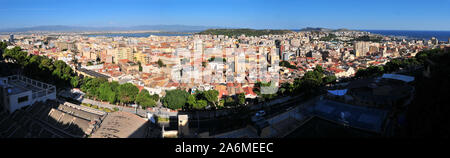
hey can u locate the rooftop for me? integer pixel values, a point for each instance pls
(93, 73)
(370, 119)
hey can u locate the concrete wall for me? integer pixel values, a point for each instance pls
(48, 92)
(14, 104)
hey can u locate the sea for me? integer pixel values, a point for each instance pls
(138, 34)
(423, 35)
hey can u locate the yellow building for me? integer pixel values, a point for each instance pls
(141, 57)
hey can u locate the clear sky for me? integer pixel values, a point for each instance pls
(259, 14)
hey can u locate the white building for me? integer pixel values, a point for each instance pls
(18, 91)
(345, 73)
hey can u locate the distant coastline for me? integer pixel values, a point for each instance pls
(440, 35)
(422, 35)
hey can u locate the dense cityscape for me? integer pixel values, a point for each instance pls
(224, 69)
(161, 78)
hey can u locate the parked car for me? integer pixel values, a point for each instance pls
(260, 113)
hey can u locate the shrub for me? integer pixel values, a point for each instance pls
(107, 110)
(163, 119)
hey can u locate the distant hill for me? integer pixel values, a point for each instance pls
(247, 32)
(323, 29)
(63, 28)
(315, 29)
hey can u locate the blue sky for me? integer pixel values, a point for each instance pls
(259, 14)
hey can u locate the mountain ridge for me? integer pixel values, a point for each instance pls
(67, 28)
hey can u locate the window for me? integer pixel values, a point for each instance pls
(22, 99)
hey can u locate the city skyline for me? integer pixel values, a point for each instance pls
(382, 15)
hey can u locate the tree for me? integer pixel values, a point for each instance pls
(104, 90)
(310, 82)
(288, 88)
(318, 69)
(16, 54)
(229, 101)
(107, 93)
(42, 68)
(175, 99)
(84, 83)
(46, 64)
(91, 86)
(112, 97)
(221, 104)
(211, 59)
(160, 63)
(127, 93)
(330, 37)
(113, 94)
(140, 66)
(3, 46)
(75, 81)
(201, 104)
(155, 97)
(241, 98)
(370, 71)
(287, 64)
(196, 104)
(270, 90)
(35, 59)
(144, 99)
(212, 96)
(429, 113)
(329, 79)
(191, 101)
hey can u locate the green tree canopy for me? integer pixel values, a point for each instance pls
(91, 86)
(127, 93)
(160, 63)
(201, 104)
(155, 97)
(144, 99)
(3, 46)
(196, 104)
(175, 99)
(16, 54)
(229, 101)
(329, 79)
(212, 96)
(75, 81)
(241, 98)
(287, 64)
